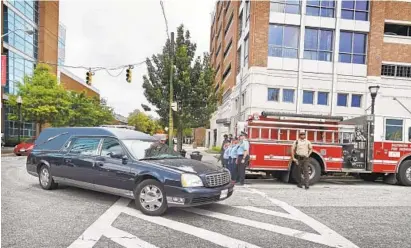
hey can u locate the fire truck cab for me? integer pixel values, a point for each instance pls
(371, 146)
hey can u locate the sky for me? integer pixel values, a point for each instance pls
(120, 32)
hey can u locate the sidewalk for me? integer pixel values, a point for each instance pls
(7, 151)
(207, 157)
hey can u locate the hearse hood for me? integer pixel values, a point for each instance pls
(188, 165)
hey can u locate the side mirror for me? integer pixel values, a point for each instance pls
(124, 159)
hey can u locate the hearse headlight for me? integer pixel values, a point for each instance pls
(191, 180)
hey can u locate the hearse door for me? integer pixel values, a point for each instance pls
(79, 162)
(112, 169)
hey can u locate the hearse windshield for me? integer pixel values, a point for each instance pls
(149, 150)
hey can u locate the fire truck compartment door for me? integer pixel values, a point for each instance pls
(354, 157)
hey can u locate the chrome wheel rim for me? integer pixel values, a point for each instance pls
(408, 173)
(151, 198)
(44, 177)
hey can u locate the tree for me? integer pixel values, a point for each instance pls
(193, 84)
(143, 122)
(87, 111)
(44, 100)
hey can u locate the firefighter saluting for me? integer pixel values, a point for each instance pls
(300, 152)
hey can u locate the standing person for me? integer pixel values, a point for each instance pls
(230, 137)
(223, 149)
(242, 157)
(300, 152)
(226, 155)
(233, 159)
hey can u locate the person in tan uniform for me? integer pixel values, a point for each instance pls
(300, 152)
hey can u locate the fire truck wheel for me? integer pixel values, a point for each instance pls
(404, 173)
(314, 170)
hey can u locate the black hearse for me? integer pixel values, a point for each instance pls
(126, 163)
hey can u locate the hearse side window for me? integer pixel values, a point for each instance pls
(111, 148)
(66, 146)
(393, 129)
(409, 134)
(85, 146)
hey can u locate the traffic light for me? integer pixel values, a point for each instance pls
(128, 74)
(89, 77)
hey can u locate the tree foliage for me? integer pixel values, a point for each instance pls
(46, 101)
(144, 123)
(193, 82)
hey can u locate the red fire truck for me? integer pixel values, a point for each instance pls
(371, 146)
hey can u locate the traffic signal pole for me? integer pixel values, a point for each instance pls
(170, 121)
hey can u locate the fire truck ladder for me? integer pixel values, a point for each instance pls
(317, 132)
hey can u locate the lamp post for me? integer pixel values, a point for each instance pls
(373, 91)
(19, 102)
(29, 32)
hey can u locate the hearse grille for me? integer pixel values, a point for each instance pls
(218, 179)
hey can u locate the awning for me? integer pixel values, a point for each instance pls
(225, 121)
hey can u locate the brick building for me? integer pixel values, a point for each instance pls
(32, 33)
(310, 57)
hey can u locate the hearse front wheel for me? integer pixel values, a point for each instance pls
(404, 173)
(45, 179)
(150, 197)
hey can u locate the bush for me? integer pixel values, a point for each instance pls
(216, 148)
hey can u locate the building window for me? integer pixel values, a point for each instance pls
(238, 60)
(227, 27)
(318, 44)
(247, 11)
(356, 101)
(218, 50)
(240, 25)
(226, 72)
(288, 95)
(246, 40)
(396, 70)
(397, 29)
(218, 69)
(283, 41)
(353, 47)
(308, 97)
(393, 129)
(273, 94)
(355, 10)
(322, 98)
(243, 99)
(342, 100)
(285, 6)
(227, 49)
(321, 8)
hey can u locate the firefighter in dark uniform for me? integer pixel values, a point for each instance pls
(301, 151)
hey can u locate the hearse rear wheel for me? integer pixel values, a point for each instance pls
(150, 197)
(404, 173)
(45, 179)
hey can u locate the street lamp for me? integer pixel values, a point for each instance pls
(373, 91)
(19, 102)
(28, 31)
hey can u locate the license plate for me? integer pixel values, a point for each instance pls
(22, 150)
(224, 194)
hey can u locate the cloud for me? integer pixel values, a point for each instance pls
(111, 33)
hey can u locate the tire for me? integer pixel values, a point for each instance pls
(372, 177)
(143, 188)
(45, 179)
(315, 174)
(404, 173)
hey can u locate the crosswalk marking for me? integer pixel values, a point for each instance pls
(267, 212)
(126, 239)
(333, 239)
(213, 237)
(103, 226)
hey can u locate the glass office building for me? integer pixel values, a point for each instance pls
(21, 49)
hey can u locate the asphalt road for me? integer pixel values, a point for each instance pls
(264, 213)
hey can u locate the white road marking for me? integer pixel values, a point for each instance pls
(213, 237)
(267, 211)
(331, 238)
(126, 239)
